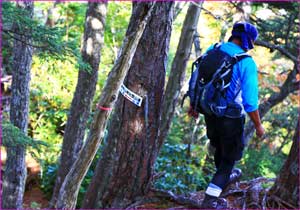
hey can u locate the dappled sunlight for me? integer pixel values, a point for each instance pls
(96, 24)
(89, 46)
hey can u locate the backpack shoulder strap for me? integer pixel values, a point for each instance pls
(217, 45)
(236, 59)
(239, 57)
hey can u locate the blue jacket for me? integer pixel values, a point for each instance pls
(244, 78)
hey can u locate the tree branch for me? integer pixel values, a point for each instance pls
(282, 50)
(217, 17)
(23, 41)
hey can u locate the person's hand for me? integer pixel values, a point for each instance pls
(193, 113)
(260, 131)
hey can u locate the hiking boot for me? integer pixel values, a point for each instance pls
(211, 202)
(235, 175)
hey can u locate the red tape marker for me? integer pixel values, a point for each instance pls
(104, 108)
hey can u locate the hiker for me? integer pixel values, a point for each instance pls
(226, 132)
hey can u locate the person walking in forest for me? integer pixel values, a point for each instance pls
(226, 132)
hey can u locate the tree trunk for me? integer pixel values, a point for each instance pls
(15, 172)
(69, 190)
(178, 8)
(125, 170)
(177, 74)
(50, 20)
(197, 44)
(285, 190)
(84, 93)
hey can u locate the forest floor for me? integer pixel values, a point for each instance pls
(241, 195)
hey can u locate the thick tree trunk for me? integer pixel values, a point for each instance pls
(285, 191)
(178, 69)
(125, 170)
(80, 108)
(69, 190)
(15, 172)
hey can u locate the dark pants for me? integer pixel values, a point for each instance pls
(227, 136)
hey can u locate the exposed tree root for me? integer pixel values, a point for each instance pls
(251, 194)
(165, 199)
(274, 201)
(179, 199)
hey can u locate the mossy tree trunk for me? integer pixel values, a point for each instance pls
(93, 40)
(15, 170)
(125, 170)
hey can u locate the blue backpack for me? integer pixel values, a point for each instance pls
(210, 78)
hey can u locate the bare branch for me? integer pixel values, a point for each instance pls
(282, 50)
(178, 8)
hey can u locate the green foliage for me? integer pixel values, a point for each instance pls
(260, 162)
(281, 27)
(49, 42)
(49, 107)
(181, 173)
(35, 205)
(13, 136)
(183, 169)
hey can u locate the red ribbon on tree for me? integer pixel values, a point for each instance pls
(103, 108)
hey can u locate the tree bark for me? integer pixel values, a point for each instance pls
(15, 172)
(124, 171)
(69, 190)
(197, 44)
(85, 90)
(286, 186)
(178, 69)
